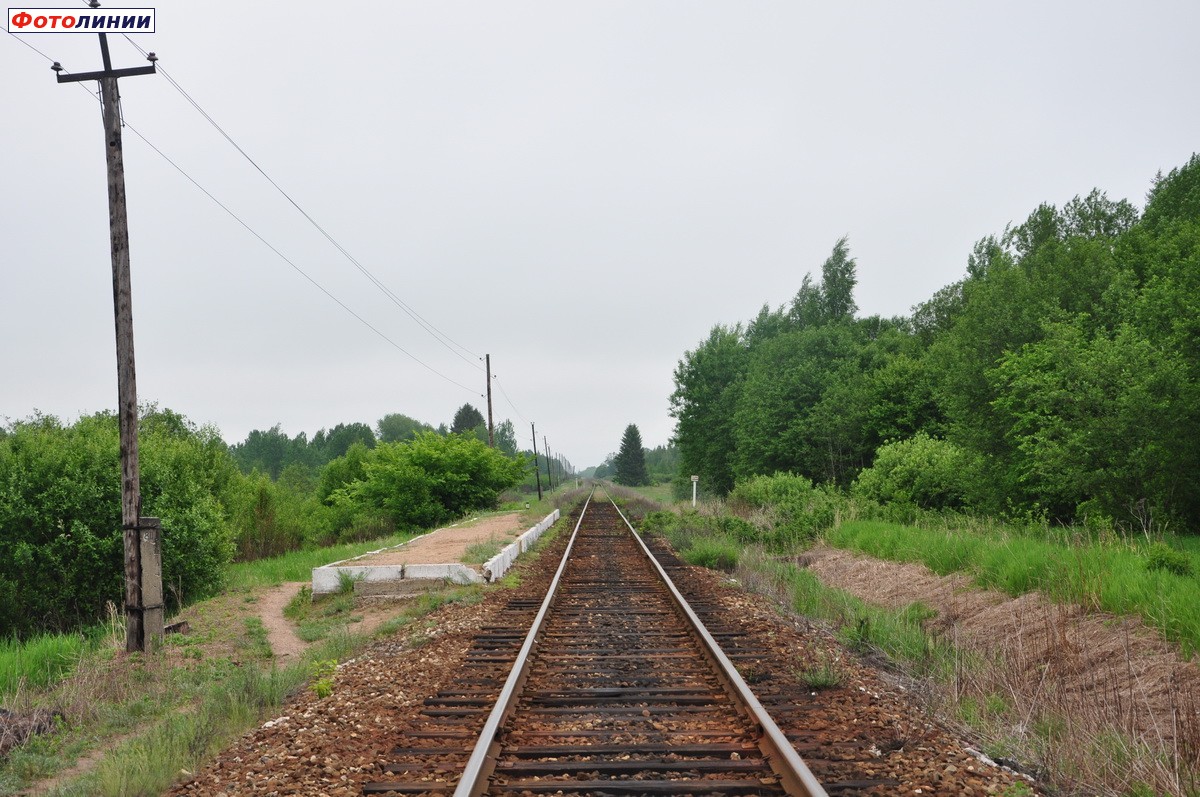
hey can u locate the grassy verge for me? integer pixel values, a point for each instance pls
(39, 662)
(658, 493)
(1156, 581)
(176, 711)
(149, 762)
(316, 620)
(158, 715)
(532, 510)
(1011, 715)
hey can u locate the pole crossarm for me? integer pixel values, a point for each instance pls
(127, 72)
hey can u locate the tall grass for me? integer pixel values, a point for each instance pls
(152, 760)
(149, 763)
(715, 553)
(479, 552)
(1115, 576)
(38, 662)
(859, 625)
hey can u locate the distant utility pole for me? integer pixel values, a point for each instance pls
(491, 430)
(536, 468)
(549, 474)
(143, 601)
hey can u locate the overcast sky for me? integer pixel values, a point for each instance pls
(581, 189)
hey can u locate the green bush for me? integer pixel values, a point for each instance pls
(921, 471)
(659, 522)
(712, 552)
(432, 479)
(1160, 556)
(259, 530)
(792, 509)
(61, 550)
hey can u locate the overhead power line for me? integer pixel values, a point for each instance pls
(263, 240)
(504, 393)
(299, 270)
(444, 339)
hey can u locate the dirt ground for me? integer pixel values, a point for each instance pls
(280, 631)
(1114, 666)
(448, 544)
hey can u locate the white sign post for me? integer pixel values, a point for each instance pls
(695, 479)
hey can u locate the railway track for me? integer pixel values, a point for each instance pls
(610, 685)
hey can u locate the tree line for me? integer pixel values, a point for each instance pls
(271, 451)
(1057, 377)
(60, 526)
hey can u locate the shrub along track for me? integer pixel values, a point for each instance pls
(415, 707)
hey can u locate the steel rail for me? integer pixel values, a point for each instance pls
(794, 774)
(482, 761)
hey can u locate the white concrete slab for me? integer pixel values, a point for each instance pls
(327, 579)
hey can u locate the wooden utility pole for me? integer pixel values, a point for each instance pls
(536, 468)
(137, 631)
(549, 475)
(491, 430)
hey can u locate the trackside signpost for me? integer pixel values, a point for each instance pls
(141, 536)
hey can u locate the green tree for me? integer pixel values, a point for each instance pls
(630, 464)
(467, 419)
(778, 427)
(662, 463)
(808, 305)
(506, 437)
(267, 451)
(1057, 265)
(838, 278)
(1099, 422)
(606, 469)
(341, 473)
(707, 386)
(1064, 366)
(396, 428)
(336, 442)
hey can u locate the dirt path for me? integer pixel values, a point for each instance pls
(449, 544)
(280, 631)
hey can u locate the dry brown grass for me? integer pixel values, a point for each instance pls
(1089, 704)
(1113, 725)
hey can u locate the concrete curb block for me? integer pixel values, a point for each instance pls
(454, 572)
(327, 579)
(499, 564)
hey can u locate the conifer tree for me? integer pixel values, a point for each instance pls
(466, 419)
(631, 459)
